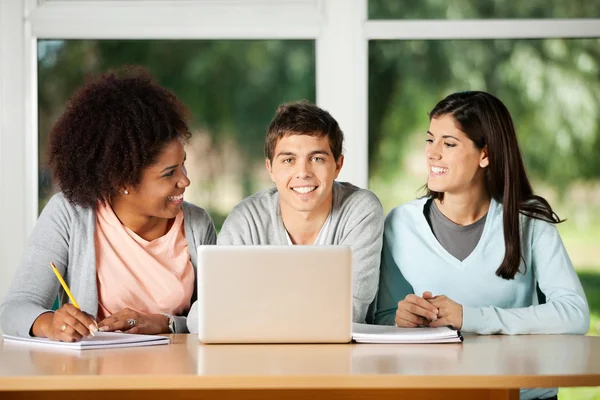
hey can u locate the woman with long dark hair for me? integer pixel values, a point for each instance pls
(472, 251)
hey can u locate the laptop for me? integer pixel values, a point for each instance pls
(274, 294)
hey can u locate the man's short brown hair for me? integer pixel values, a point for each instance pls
(303, 118)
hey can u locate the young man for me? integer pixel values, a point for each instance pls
(303, 152)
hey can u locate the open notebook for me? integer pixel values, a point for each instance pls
(363, 333)
(102, 340)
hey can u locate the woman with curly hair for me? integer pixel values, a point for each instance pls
(119, 232)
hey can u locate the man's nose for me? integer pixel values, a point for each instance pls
(304, 169)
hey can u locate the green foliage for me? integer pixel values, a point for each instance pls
(232, 87)
(550, 86)
(582, 393)
(469, 9)
(590, 279)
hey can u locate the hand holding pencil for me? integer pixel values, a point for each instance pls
(68, 323)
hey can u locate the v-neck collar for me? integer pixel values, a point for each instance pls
(424, 225)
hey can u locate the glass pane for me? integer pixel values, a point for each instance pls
(552, 89)
(482, 9)
(231, 87)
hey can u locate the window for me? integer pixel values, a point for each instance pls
(482, 9)
(231, 87)
(551, 88)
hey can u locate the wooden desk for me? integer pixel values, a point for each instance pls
(483, 367)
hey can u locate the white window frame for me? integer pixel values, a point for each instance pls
(340, 29)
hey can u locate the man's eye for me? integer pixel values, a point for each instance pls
(318, 159)
(286, 160)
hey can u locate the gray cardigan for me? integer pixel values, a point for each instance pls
(356, 220)
(64, 234)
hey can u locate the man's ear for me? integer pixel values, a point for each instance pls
(270, 169)
(484, 160)
(338, 166)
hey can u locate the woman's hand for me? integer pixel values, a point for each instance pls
(449, 312)
(67, 324)
(130, 321)
(415, 311)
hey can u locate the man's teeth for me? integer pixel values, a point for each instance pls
(304, 189)
(175, 198)
(438, 170)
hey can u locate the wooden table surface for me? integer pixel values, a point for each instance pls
(481, 362)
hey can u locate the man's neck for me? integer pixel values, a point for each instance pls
(464, 208)
(304, 227)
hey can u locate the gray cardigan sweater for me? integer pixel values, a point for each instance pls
(356, 220)
(64, 234)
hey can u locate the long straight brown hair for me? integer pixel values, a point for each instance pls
(487, 122)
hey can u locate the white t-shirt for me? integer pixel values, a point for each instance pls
(321, 238)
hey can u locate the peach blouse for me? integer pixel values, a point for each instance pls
(149, 277)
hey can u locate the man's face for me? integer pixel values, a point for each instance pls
(303, 169)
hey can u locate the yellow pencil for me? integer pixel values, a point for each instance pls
(64, 285)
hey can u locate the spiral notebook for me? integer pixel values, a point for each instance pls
(364, 333)
(102, 340)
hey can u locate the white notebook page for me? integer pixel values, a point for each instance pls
(364, 333)
(102, 340)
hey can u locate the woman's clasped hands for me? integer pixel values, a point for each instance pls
(428, 310)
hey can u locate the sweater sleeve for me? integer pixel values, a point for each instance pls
(365, 238)
(393, 287)
(236, 230)
(204, 233)
(566, 309)
(34, 287)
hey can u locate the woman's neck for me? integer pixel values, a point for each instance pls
(146, 227)
(464, 208)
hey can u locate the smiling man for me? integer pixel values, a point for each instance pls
(303, 151)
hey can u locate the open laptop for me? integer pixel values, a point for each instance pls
(274, 294)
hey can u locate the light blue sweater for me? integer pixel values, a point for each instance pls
(413, 261)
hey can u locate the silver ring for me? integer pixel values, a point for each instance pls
(132, 322)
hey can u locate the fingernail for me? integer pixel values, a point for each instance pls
(437, 311)
(102, 329)
(93, 329)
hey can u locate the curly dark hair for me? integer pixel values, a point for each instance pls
(113, 127)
